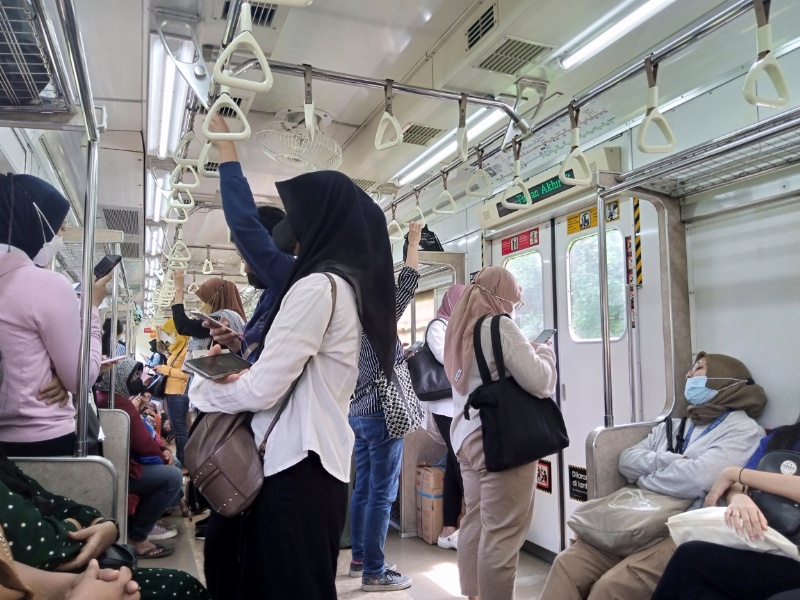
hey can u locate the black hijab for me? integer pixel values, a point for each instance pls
(341, 230)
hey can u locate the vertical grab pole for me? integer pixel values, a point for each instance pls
(112, 338)
(602, 253)
(66, 10)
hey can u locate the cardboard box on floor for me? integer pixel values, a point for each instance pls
(429, 491)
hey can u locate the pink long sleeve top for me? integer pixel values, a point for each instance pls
(40, 334)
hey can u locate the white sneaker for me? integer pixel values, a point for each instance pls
(162, 531)
(451, 541)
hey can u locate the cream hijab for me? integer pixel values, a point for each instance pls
(495, 292)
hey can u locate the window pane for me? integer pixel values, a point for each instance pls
(584, 289)
(527, 269)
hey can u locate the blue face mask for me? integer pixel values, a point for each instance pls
(696, 391)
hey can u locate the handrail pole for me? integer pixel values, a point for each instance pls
(602, 267)
(234, 10)
(112, 337)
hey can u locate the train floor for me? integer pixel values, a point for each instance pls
(434, 570)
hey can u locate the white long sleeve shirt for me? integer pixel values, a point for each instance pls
(315, 418)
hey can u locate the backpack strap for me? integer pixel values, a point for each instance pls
(486, 375)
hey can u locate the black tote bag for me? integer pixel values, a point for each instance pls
(427, 374)
(518, 428)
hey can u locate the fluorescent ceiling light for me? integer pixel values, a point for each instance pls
(620, 28)
(494, 117)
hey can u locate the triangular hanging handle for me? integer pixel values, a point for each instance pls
(225, 101)
(208, 267)
(414, 212)
(654, 116)
(176, 179)
(480, 179)
(203, 161)
(517, 185)
(445, 196)
(180, 219)
(181, 199)
(766, 63)
(193, 287)
(575, 155)
(395, 228)
(244, 40)
(388, 119)
(184, 144)
(462, 143)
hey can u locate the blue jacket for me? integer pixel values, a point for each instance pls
(256, 246)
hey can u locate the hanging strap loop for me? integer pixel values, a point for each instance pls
(480, 184)
(387, 119)
(416, 211)
(308, 105)
(517, 187)
(461, 135)
(653, 115)
(447, 197)
(575, 155)
(765, 62)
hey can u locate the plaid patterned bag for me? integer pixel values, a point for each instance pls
(401, 407)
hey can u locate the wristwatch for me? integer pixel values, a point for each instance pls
(114, 521)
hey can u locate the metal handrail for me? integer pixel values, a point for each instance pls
(77, 57)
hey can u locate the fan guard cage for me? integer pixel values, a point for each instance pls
(289, 144)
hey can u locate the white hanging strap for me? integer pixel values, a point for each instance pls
(203, 161)
(184, 145)
(193, 287)
(395, 231)
(576, 155)
(517, 186)
(225, 101)
(208, 266)
(461, 135)
(765, 62)
(387, 119)
(653, 115)
(480, 180)
(179, 250)
(181, 199)
(242, 272)
(415, 212)
(308, 105)
(243, 41)
(445, 196)
(176, 179)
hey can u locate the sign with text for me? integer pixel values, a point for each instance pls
(544, 474)
(587, 219)
(521, 241)
(578, 484)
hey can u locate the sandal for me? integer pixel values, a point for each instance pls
(157, 551)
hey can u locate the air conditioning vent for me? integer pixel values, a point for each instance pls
(480, 28)
(131, 250)
(420, 135)
(263, 13)
(364, 184)
(511, 56)
(126, 221)
(224, 111)
(211, 167)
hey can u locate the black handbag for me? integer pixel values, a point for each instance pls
(427, 374)
(518, 428)
(117, 556)
(157, 386)
(782, 514)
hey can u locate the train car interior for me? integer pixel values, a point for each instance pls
(635, 164)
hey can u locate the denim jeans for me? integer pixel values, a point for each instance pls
(378, 459)
(159, 488)
(177, 407)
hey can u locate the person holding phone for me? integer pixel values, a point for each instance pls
(40, 324)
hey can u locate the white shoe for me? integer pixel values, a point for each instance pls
(451, 541)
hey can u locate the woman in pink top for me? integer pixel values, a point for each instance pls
(40, 323)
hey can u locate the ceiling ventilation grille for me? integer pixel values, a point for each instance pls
(480, 28)
(211, 167)
(420, 135)
(364, 184)
(511, 56)
(130, 250)
(126, 221)
(224, 111)
(263, 13)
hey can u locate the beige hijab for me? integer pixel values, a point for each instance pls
(737, 391)
(494, 292)
(221, 294)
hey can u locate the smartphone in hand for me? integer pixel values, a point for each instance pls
(210, 319)
(105, 266)
(217, 366)
(545, 336)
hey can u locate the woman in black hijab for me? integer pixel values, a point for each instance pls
(290, 536)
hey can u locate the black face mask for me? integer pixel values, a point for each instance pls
(255, 282)
(284, 237)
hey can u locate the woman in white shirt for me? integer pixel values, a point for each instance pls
(499, 504)
(289, 539)
(442, 411)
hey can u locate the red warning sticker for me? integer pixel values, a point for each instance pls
(521, 241)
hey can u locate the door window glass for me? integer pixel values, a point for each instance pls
(527, 269)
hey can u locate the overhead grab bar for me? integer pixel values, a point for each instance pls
(387, 119)
(308, 105)
(766, 62)
(446, 196)
(202, 161)
(176, 199)
(576, 154)
(243, 40)
(461, 136)
(653, 115)
(394, 224)
(480, 179)
(183, 148)
(409, 218)
(176, 179)
(517, 185)
(208, 266)
(225, 101)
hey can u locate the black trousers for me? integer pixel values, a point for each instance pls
(60, 446)
(703, 571)
(287, 546)
(453, 482)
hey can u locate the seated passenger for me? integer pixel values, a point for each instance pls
(499, 504)
(291, 534)
(124, 368)
(723, 398)
(40, 322)
(21, 582)
(704, 571)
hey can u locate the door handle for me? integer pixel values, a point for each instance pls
(563, 392)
